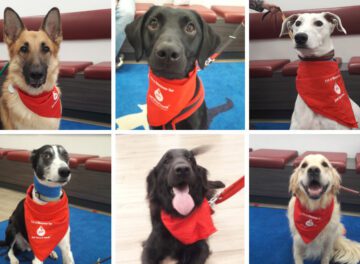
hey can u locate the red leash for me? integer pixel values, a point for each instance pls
(349, 190)
(228, 192)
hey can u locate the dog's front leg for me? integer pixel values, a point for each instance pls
(11, 255)
(37, 261)
(199, 253)
(65, 248)
(328, 250)
(298, 253)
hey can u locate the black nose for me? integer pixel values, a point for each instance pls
(314, 172)
(64, 172)
(37, 74)
(301, 38)
(183, 170)
(168, 52)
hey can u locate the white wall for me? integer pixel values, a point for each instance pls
(207, 3)
(344, 143)
(345, 46)
(82, 144)
(94, 50)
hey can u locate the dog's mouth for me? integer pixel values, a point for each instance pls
(301, 46)
(182, 201)
(314, 189)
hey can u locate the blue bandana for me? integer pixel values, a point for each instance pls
(51, 192)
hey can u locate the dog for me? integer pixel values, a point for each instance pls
(314, 214)
(30, 98)
(313, 43)
(51, 168)
(177, 190)
(174, 41)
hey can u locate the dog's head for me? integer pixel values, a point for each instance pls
(312, 32)
(173, 40)
(315, 178)
(177, 184)
(33, 54)
(51, 165)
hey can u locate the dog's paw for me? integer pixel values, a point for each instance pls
(14, 261)
(54, 255)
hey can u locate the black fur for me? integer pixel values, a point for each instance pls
(171, 35)
(160, 181)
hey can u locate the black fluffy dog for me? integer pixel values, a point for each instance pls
(177, 171)
(173, 41)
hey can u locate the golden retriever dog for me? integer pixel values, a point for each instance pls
(314, 214)
(30, 98)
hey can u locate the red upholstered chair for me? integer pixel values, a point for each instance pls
(71, 68)
(207, 14)
(266, 68)
(99, 164)
(271, 158)
(100, 70)
(230, 14)
(337, 159)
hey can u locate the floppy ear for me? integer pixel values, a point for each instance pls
(202, 172)
(336, 181)
(52, 25)
(210, 41)
(13, 26)
(287, 24)
(293, 184)
(34, 157)
(151, 184)
(200, 149)
(134, 33)
(335, 20)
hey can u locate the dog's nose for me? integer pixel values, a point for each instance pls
(301, 38)
(64, 172)
(37, 73)
(314, 172)
(182, 170)
(168, 51)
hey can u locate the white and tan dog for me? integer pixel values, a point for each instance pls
(314, 185)
(312, 40)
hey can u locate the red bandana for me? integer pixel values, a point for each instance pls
(310, 224)
(172, 100)
(47, 104)
(46, 225)
(195, 227)
(322, 87)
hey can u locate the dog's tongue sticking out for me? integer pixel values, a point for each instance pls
(182, 201)
(315, 190)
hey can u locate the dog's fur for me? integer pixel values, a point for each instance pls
(51, 167)
(161, 244)
(34, 68)
(173, 40)
(317, 28)
(330, 243)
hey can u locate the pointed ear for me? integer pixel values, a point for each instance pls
(52, 25)
(335, 20)
(151, 184)
(287, 24)
(210, 41)
(134, 33)
(13, 26)
(293, 184)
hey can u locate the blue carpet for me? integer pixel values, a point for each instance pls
(270, 238)
(73, 125)
(221, 81)
(90, 238)
(270, 126)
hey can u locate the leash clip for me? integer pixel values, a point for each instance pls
(213, 200)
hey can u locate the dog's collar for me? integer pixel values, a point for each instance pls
(46, 193)
(328, 56)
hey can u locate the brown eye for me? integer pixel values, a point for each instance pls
(190, 28)
(24, 48)
(318, 23)
(46, 155)
(324, 164)
(304, 165)
(153, 24)
(45, 48)
(298, 23)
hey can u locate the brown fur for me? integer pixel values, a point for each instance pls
(14, 114)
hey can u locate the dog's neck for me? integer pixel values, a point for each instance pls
(326, 57)
(43, 194)
(313, 205)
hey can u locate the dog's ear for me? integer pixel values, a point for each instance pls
(134, 33)
(200, 150)
(287, 24)
(34, 157)
(210, 41)
(13, 26)
(151, 184)
(52, 25)
(293, 184)
(335, 20)
(336, 181)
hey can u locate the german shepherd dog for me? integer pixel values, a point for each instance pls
(32, 73)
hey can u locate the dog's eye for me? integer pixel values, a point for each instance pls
(46, 155)
(45, 48)
(304, 165)
(318, 23)
(298, 23)
(24, 49)
(153, 24)
(190, 28)
(324, 164)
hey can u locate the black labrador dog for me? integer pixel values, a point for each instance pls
(177, 170)
(173, 41)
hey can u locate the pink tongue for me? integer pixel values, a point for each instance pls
(182, 201)
(315, 191)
